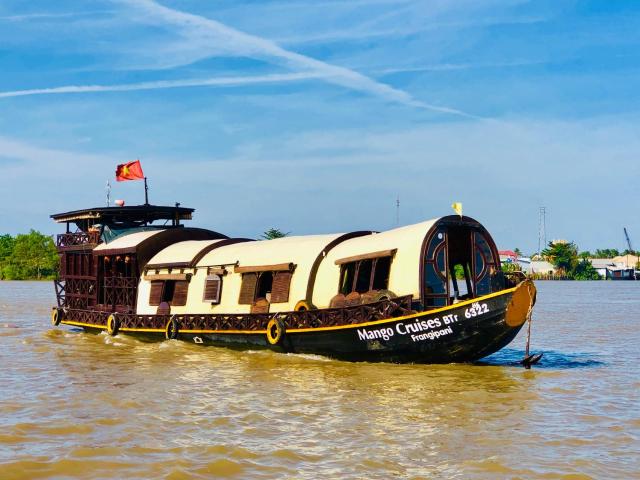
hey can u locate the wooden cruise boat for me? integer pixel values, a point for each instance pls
(432, 292)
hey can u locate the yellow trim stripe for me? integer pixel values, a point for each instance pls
(155, 330)
(261, 332)
(406, 317)
(305, 330)
(160, 330)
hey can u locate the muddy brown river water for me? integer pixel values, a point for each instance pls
(76, 405)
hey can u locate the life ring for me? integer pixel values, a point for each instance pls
(113, 325)
(56, 317)
(172, 329)
(302, 306)
(275, 331)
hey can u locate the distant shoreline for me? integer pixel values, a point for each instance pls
(28, 280)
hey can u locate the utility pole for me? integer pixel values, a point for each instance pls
(108, 193)
(398, 211)
(542, 230)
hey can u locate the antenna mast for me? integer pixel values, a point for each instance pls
(108, 188)
(542, 230)
(398, 211)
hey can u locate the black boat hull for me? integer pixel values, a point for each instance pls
(462, 332)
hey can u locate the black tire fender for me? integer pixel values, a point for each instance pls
(276, 331)
(113, 325)
(56, 316)
(302, 306)
(172, 329)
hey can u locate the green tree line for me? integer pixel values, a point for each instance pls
(30, 256)
(564, 256)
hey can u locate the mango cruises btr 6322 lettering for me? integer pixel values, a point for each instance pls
(432, 292)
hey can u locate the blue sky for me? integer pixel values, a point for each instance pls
(313, 116)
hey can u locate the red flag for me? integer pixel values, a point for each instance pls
(129, 171)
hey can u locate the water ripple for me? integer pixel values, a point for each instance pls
(78, 405)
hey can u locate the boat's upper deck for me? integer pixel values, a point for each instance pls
(125, 216)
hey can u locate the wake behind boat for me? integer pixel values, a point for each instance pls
(432, 292)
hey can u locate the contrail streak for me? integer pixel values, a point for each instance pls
(204, 82)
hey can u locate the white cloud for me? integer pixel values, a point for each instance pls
(501, 172)
(207, 37)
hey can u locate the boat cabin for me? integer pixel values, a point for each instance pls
(117, 260)
(104, 250)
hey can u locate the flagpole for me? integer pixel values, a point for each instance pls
(146, 192)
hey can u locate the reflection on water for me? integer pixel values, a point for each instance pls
(91, 406)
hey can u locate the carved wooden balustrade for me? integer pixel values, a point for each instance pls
(76, 292)
(120, 291)
(77, 239)
(256, 321)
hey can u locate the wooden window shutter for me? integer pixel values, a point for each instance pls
(180, 293)
(155, 297)
(248, 288)
(212, 288)
(280, 288)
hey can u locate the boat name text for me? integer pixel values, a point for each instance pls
(418, 330)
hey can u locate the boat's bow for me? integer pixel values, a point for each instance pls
(521, 304)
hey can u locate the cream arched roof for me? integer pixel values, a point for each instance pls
(128, 240)
(309, 254)
(181, 252)
(405, 267)
(299, 250)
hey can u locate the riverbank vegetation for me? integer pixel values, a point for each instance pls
(564, 256)
(30, 256)
(574, 265)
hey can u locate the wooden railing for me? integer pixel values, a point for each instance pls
(72, 240)
(256, 321)
(120, 291)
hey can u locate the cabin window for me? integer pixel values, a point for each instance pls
(486, 267)
(174, 292)
(365, 275)
(272, 286)
(460, 263)
(264, 286)
(459, 257)
(212, 288)
(381, 273)
(347, 274)
(435, 271)
(460, 281)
